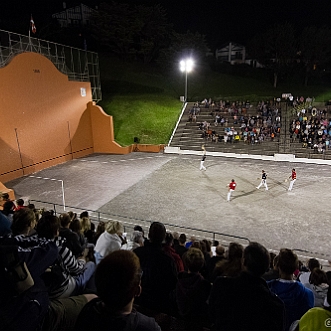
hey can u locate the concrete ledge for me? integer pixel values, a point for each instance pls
(276, 157)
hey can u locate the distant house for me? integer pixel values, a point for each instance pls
(76, 16)
(235, 54)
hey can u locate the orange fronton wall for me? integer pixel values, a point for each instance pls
(46, 120)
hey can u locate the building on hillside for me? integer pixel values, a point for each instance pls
(235, 54)
(77, 16)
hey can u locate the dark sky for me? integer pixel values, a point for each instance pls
(221, 21)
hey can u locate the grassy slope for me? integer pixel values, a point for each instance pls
(145, 103)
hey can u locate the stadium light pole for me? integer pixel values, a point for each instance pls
(186, 66)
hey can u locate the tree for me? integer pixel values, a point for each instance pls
(314, 50)
(276, 49)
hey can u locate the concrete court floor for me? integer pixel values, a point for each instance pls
(171, 189)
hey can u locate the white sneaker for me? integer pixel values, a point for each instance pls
(257, 187)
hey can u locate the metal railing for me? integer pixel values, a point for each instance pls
(129, 223)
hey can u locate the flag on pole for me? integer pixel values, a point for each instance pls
(33, 27)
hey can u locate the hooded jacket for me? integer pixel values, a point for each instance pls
(297, 298)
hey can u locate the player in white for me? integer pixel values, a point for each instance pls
(263, 181)
(202, 167)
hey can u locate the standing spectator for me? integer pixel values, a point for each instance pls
(297, 298)
(159, 272)
(192, 290)
(109, 241)
(245, 303)
(169, 250)
(231, 187)
(118, 282)
(232, 265)
(181, 249)
(311, 265)
(211, 263)
(318, 283)
(87, 228)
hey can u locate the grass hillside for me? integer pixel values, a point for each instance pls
(144, 99)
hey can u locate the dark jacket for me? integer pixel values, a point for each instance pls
(73, 241)
(159, 278)
(192, 292)
(245, 303)
(94, 316)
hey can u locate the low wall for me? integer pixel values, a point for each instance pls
(277, 157)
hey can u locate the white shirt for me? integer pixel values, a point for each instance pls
(108, 243)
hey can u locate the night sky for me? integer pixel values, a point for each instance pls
(220, 21)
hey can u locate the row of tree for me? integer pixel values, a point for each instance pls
(284, 50)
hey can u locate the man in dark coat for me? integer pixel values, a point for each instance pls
(245, 303)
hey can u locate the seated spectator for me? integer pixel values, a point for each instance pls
(109, 241)
(137, 240)
(72, 239)
(181, 249)
(160, 275)
(19, 204)
(87, 228)
(274, 272)
(318, 283)
(311, 264)
(316, 318)
(76, 227)
(3, 198)
(297, 298)
(118, 284)
(211, 263)
(192, 290)
(23, 221)
(5, 225)
(169, 250)
(24, 302)
(67, 276)
(189, 243)
(245, 303)
(232, 265)
(8, 209)
(101, 227)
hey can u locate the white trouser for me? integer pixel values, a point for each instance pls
(202, 167)
(229, 194)
(291, 184)
(263, 182)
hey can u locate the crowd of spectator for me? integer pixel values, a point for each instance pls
(51, 282)
(263, 125)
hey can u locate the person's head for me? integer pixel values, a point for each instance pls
(100, 228)
(31, 206)
(256, 259)
(194, 259)
(318, 277)
(157, 232)
(140, 229)
(169, 239)
(313, 263)
(23, 221)
(114, 227)
(197, 244)
(65, 220)
(72, 215)
(20, 202)
(76, 226)
(287, 261)
(8, 206)
(235, 251)
(263, 171)
(5, 196)
(182, 238)
(175, 235)
(137, 237)
(86, 223)
(117, 279)
(48, 226)
(220, 250)
(83, 214)
(232, 180)
(293, 170)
